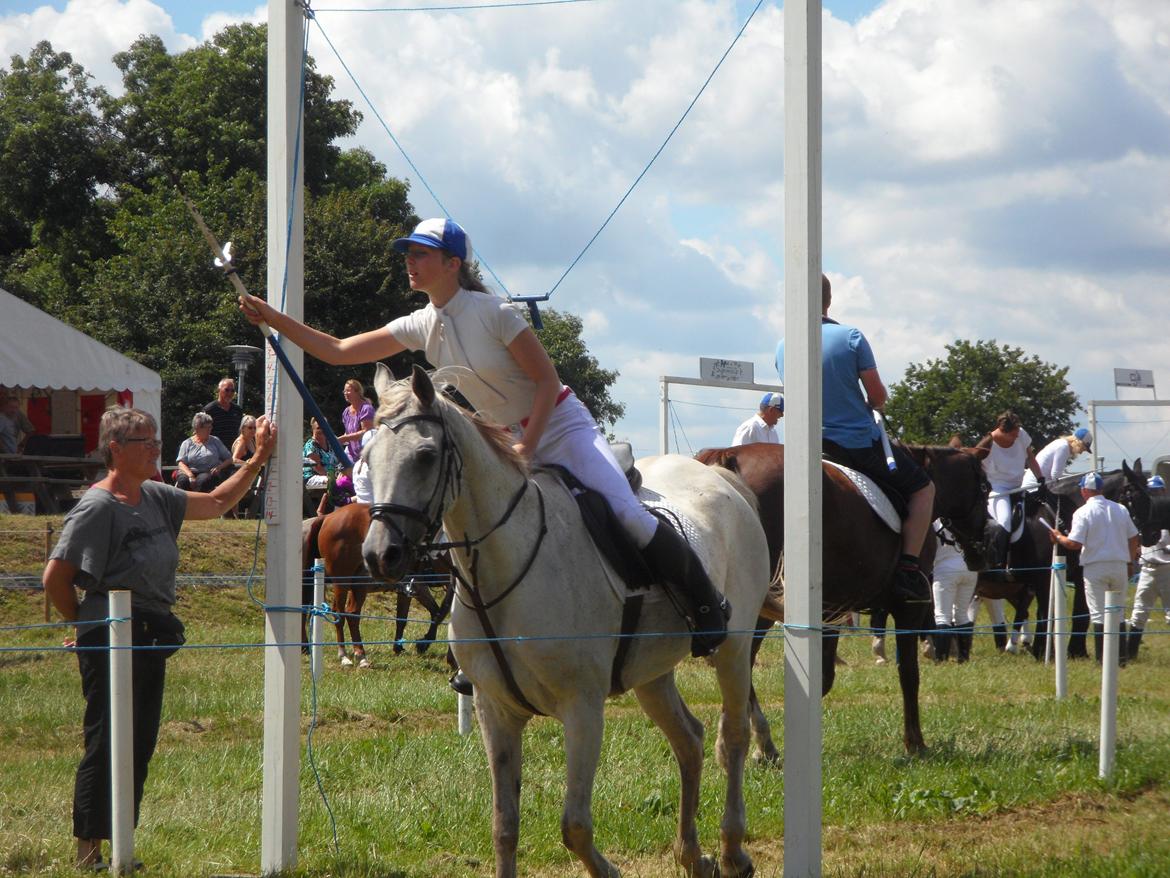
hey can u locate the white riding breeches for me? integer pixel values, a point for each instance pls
(952, 596)
(1153, 584)
(1106, 585)
(573, 440)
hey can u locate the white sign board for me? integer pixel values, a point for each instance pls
(727, 370)
(1133, 377)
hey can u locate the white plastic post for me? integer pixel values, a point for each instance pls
(802, 465)
(466, 703)
(121, 736)
(1059, 627)
(1051, 603)
(317, 623)
(1113, 607)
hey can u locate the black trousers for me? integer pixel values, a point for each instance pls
(92, 811)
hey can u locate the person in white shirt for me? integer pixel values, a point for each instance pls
(1154, 579)
(1054, 457)
(1105, 535)
(953, 587)
(510, 380)
(761, 427)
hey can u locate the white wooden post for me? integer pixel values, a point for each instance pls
(1058, 626)
(317, 623)
(664, 415)
(466, 704)
(121, 735)
(802, 465)
(1114, 604)
(282, 664)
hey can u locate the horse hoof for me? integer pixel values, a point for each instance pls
(364, 662)
(422, 646)
(346, 662)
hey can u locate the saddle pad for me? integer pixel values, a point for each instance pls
(874, 495)
(677, 519)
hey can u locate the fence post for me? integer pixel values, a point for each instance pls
(1114, 604)
(121, 735)
(48, 549)
(317, 621)
(1058, 626)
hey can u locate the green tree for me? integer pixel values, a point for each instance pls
(964, 392)
(577, 367)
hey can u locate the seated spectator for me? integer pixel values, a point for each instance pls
(245, 445)
(203, 460)
(322, 470)
(15, 427)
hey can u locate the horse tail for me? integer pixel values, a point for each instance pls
(310, 532)
(719, 457)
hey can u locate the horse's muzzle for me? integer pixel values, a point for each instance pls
(387, 557)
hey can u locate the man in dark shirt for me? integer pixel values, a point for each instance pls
(225, 414)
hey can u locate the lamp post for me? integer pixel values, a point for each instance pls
(241, 358)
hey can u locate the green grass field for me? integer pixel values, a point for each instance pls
(1009, 785)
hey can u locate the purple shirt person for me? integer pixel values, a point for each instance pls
(356, 418)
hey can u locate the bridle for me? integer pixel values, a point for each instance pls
(449, 481)
(958, 524)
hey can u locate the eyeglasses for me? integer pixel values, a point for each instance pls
(149, 444)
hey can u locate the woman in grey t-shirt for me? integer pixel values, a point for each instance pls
(123, 534)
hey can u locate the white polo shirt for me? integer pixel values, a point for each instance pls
(1005, 467)
(1104, 529)
(754, 429)
(1052, 460)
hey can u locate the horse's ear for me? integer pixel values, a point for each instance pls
(1137, 468)
(955, 442)
(420, 383)
(383, 381)
(980, 451)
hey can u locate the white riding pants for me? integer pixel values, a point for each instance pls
(573, 440)
(952, 596)
(1102, 577)
(1000, 507)
(1153, 585)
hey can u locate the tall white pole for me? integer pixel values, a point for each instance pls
(317, 624)
(282, 664)
(121, 735)
(664, 415)
(802, 450)
(1059, 626)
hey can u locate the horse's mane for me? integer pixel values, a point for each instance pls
(498, 438)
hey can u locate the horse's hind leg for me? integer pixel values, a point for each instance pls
(761, 731)
(663, 704)
(401, 614)
(424, 597)
(733, 668)
(502, 736)
(909, 618)
(340, 599)
(353, 609)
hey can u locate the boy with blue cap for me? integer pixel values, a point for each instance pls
(761, 427)
(1105, 535)
(1154, 579)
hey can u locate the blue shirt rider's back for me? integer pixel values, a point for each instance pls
(845, 354)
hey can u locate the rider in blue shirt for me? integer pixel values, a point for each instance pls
(851, 437)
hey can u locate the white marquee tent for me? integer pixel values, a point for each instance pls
(38, 351)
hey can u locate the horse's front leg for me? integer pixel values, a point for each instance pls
(663, 704)
(353, 609)
(733, 668)
(401, 614)
(340, 598)
(584, 723)
(423, 596)
(909, 618)
(501, 731)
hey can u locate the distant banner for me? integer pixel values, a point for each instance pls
(1133, 377)
(737, 371)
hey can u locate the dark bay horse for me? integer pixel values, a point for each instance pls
(1151, 514)
(336, 538)
(860, 552)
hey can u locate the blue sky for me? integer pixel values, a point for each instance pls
(992, 170)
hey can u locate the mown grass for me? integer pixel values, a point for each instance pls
(1008, 787)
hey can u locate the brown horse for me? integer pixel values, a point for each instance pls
(860, 553)
(336, 538)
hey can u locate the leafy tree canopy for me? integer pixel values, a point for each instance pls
(964, 392)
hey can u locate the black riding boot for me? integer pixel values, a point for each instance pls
(942, 636)
(1123, 645)
(999, 634)
(1134, 642)
(673, 561)
(1098, 636)
(963, 644)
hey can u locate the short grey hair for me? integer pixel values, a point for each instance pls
(117, 424)
(201, 419)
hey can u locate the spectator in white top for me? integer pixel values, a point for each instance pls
(1154, 579)
(1054, 457)
(761, 427)
(1009, 457)
(953, 588)
(1105, 535)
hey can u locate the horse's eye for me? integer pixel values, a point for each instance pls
(426, 455)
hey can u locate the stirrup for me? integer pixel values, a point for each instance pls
(460, 683)
(707, 638)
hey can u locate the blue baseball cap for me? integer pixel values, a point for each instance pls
(1085, 436)
(1155, 482)
(772, 400)
(1091, 482)
(442, 234)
